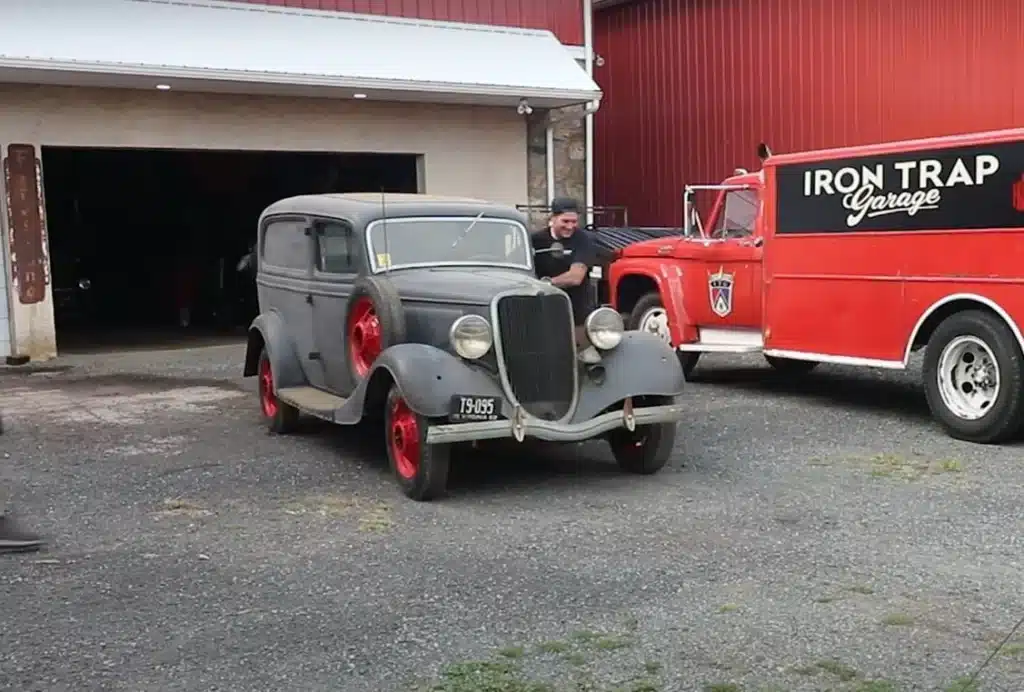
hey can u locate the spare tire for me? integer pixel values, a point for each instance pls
(374, 321)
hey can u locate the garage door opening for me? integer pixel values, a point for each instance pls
(144, 243)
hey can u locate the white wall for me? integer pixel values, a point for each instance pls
(467, 151)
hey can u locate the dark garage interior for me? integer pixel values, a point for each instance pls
(144, 243)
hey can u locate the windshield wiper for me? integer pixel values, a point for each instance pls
(468, 228)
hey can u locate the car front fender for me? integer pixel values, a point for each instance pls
(268, 331)
(427, 377)
(642, 364)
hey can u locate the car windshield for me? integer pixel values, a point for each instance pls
(407, 242)
(738, 215)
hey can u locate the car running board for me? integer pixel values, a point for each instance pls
(725, 340)
(313, 401)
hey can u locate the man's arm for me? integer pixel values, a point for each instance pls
(585, 257)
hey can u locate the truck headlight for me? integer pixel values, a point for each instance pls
(604, 328)
(471, 336)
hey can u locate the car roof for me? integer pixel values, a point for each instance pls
(364, 207)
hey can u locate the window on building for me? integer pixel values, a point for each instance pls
(335, 248)
(286, 245)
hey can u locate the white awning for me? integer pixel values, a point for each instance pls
(247, 48)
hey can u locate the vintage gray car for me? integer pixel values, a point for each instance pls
(423, 313)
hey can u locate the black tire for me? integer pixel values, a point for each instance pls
(387, 305)
(646, 449)
(279, 417)
(1003, 418)
(687, 359)
(429, 479)
(791, 366)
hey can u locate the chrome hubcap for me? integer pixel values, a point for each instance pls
(968, 377)
(655, 321)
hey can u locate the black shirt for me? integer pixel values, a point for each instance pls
(549, 264)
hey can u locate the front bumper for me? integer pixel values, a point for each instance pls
(521, 426)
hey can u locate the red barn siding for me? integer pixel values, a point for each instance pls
(691, 86)
(563, 17)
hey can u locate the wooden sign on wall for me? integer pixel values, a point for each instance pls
(29, 267)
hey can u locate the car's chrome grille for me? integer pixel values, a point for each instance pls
(538, 352)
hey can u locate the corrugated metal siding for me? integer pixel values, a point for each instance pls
(563, 17)
(691, 86)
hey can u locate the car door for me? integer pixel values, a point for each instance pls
(286, 260)
(335, 269)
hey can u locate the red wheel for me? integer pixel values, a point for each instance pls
(405, 439)
(280, 417)
(420, 469)
(364, 335)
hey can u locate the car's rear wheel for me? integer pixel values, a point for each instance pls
(421, 469)
(791, 366)
(647, 448)
(649, 315)
(974, 378)
(374, 322)
(281, 418)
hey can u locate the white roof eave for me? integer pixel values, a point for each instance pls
(248, 49)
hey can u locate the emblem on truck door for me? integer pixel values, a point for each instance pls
(720, 291)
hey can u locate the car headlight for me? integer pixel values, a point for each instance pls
(604, 328)
(471, 336)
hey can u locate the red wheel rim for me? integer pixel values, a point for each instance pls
(268, 400)
(363, 335)
(404, 437)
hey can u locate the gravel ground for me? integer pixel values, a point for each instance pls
(813, 536)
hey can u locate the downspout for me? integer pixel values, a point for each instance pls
(588, 123)
(549, 159)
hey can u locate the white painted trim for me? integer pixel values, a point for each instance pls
(837, 360)
(988, 302)
(702, 347)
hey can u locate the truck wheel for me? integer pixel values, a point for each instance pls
(791, 366)
(974, 378)
(420, 469)
(646, 449)
(281, 418)
(649, 315)
(374, 321)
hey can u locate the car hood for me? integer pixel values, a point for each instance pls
(462, 285)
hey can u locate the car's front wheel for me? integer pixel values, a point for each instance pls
(421, 469)
(646, 449)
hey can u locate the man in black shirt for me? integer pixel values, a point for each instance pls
(569, 271)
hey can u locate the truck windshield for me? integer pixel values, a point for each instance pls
(452, 241)
(736, 219)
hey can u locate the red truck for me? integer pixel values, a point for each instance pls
(857, 256)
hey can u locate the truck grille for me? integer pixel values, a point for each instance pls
(538, 352)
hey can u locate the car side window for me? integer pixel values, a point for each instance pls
(335, 248)
(286, 244)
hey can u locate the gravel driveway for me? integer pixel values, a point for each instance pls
(813, 536)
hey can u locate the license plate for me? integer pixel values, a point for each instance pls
(465, 408)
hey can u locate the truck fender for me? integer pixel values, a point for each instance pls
(668, 278)
(427, 377)
(268, 331)
(642, 364)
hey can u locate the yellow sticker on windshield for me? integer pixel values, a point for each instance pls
(383, 259)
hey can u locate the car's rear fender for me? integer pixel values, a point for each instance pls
(268, 331)
(642, 364)
(426, 375)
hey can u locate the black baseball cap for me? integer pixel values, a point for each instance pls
(561, 205)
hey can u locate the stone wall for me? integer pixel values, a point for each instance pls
(570, 158)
